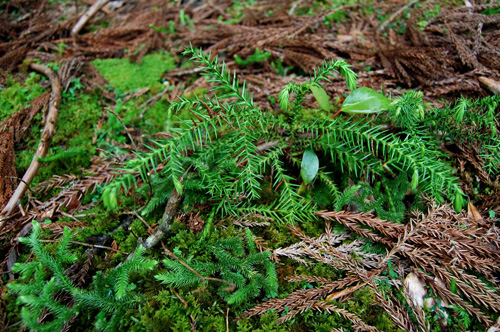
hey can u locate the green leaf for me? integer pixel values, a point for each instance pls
(110, 198)
(414, 180)
(459, 201)
(310, 166)
(283, 98)
(178, 186)
(365, 100)
(453, 286)
(321, 96)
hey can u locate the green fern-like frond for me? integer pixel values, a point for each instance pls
(110, 294)
(222, 148)
(250, 272)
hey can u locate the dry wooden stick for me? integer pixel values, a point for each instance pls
(180, 298)
(395, 14)
(123, 124)
(87, 16)
(89, 245)
(168, 217)
(43, 147)
(166, 221)
(492, 85)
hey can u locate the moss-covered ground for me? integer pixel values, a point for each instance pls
(87, 129)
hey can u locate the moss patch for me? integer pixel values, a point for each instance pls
(127, 76)
(16, 95)
(71, 147)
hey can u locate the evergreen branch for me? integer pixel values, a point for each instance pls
(110, 294)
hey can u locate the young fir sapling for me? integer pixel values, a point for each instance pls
(220, 146)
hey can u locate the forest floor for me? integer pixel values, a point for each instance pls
(78, 105)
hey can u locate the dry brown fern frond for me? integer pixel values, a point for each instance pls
(441, 247)
(471, 154)
(7, 167)
(362, 269)
(445, 249)
(20, 121)
(70, 198)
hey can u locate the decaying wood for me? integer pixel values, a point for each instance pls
(43, 147)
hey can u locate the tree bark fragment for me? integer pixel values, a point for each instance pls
(166, 221)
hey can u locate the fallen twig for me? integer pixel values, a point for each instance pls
(492, 85)
(43, 146)
(382, 26)
(180, 298)
(152, 101)
(89, 245)
(124, 126)
(166, 221)
(87, 16)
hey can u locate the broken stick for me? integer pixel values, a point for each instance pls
(166, 221)
(87, 16)
(43, 146)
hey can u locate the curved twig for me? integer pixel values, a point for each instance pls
(43, 146)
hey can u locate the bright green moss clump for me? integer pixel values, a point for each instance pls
(127, 76)
(16, 95)
(71, 148)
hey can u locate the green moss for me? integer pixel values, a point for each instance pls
(72, 142)
(127, 76)
(17, 95)
(127, 238)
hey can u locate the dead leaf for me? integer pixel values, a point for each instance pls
(474, 215)
(416, 289)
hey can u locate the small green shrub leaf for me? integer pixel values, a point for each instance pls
(321, 96)
(459, 201)
(310, 166)
(365, 100)
(178, 186)
(414, 180)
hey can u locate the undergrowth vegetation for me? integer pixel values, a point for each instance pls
(240, 166)
(275, 204)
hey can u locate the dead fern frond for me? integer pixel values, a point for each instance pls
(7, 167)
(442, 247)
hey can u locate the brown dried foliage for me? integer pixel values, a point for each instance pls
(443, 58)
(12, 130)
(73, 191)
(7, 167)
(446, 246)
(438, 62)
(442, 247)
